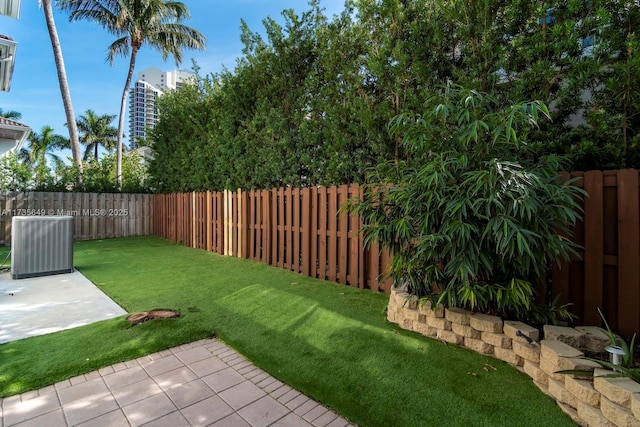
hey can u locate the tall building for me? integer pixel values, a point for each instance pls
(143, 111)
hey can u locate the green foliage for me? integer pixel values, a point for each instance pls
(15, 175)
(99, 176)
(615, 340)
(472, 216)
(309, 101)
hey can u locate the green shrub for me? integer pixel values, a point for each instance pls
(472, 218)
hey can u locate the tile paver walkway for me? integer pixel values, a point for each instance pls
(204, 383)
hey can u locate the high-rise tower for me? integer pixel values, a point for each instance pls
(143, 111)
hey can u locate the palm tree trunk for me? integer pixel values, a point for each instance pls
(64, 88)
(123, 105)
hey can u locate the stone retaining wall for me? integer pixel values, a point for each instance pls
(588, 401)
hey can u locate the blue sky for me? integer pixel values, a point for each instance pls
(94, 84)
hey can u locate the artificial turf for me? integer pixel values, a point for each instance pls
(329, 341)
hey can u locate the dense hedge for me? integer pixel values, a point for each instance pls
(309, 102)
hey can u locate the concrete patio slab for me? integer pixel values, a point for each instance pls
(42, 305)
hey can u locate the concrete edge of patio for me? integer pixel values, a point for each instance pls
(200, 383)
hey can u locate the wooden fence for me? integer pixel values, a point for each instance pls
(303, 231)
(297, 229)
(608, 275)
(96, 215)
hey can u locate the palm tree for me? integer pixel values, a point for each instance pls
(11, 114)
(96, 131)
(64, 86)
(40, 147)
(136, 22)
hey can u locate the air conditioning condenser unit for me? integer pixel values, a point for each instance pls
(41, 246)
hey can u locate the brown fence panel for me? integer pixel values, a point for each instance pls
(95, 215)
(607, 276)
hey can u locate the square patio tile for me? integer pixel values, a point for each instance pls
(291, 420)
(207, 366)
(149, 409)
(263, 412)
(165, 364)
(242, 394)
(125, 377)
(175, 378)
(233, 420)
(137, 391)
(15, 411)
(207, 411)
(174, 419)
(93, 389)
(193, 354)
(189, 393)
(113, 418)
(222, 380)
(50, 419)
(93, 405)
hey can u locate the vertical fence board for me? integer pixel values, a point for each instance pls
(295, 230)
(593, 247)
(313, 232)
(322, 233)
(305, 249)
(628, 250)
(332, 233)
(342, 234)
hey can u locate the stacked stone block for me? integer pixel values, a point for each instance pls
(589, 401)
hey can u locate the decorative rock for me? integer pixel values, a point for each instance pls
(425, 330)
(593, 416)
(478, 345)
(406, 324)
(534, 371)
(617, 390)
(410, 313)
(486, 323)
(426, 308)
(439, 323)
(507, 355)
(450, 337)
(527, 351)
(617, 414)
(595, 338)
(583, 391)
(565, 334)
(512, 327)
(560, 393)
(496, 340)
(399, 298)
(391, 315)
(572, 413)
(465, 331)
(411, 302)
(577, 364)
(457, 315)
(550, 369)
(543, 388)
(553, 351)
(635, 405)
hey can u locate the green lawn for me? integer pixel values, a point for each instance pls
(329, 341)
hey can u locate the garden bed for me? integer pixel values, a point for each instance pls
(596, 400)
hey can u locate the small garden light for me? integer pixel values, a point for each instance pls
(615, 353)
